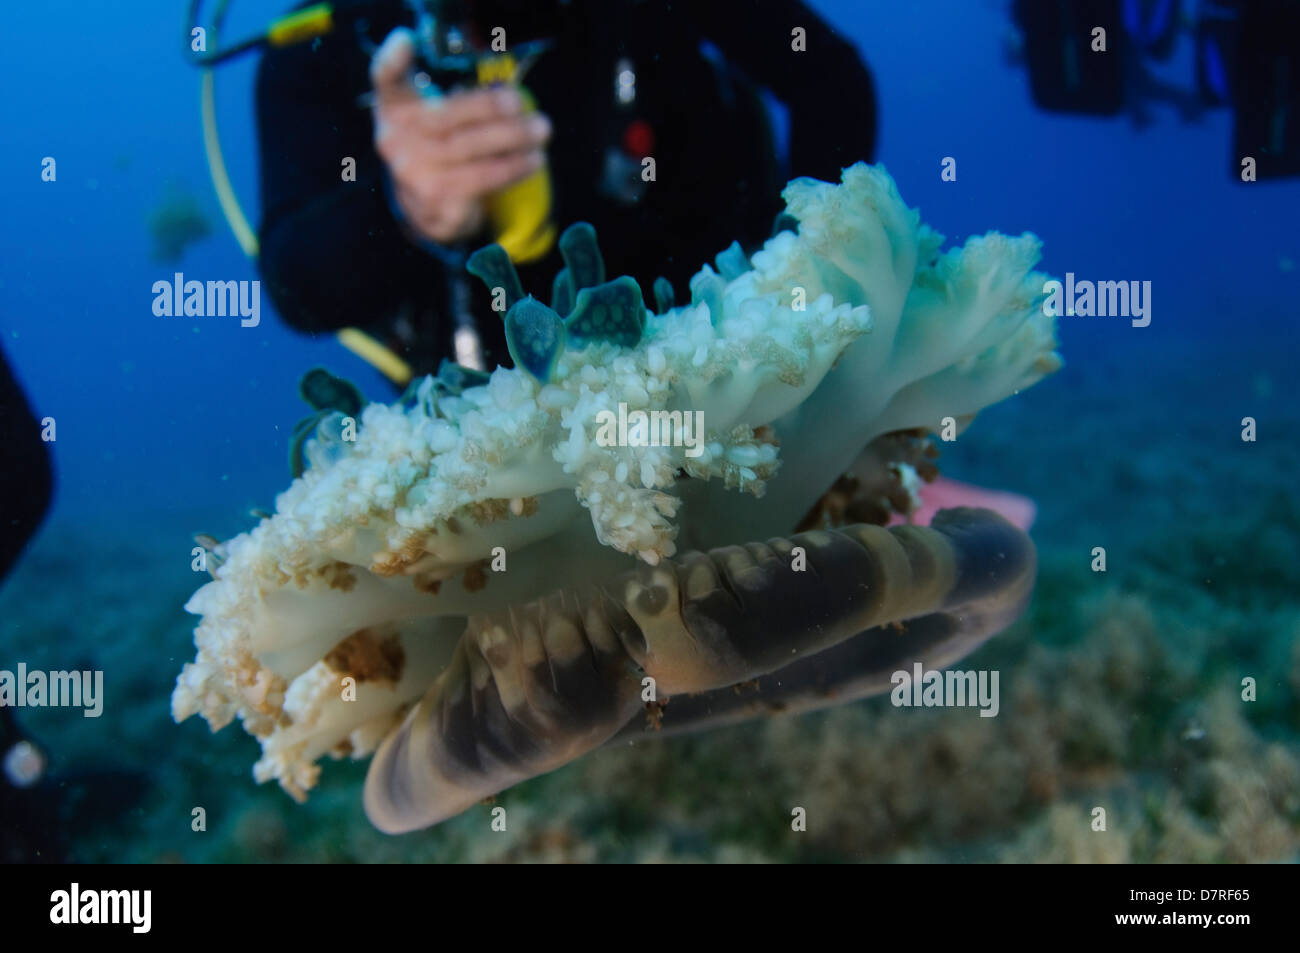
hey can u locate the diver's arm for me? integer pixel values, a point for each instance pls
(827, 89)
(332, 253)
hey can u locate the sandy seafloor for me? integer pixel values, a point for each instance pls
(1119, 690)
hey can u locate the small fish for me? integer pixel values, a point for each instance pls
(216, 553)
(210, 543)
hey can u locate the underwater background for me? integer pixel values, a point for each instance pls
(1120, 689)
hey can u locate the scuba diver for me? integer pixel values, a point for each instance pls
(30, 831)
(26, 477)
(643, 118)
(41, 809)
(1246, 58)
(37, 806)
(27, 487)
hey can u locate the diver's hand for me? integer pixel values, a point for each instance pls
(446, 154)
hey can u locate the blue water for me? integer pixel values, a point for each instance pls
(159, 416)
(161, 412)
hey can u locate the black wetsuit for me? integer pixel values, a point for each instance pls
(333, 254)
(26, 478)
(27, 830)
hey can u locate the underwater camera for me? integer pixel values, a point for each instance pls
(457, 48)
(1092, 57)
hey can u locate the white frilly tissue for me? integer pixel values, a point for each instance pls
(330, 617)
